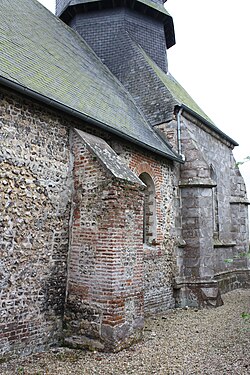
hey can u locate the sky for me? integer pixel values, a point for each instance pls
(211, 60)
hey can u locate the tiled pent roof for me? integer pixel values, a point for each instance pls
(40, 53)
(66, 9)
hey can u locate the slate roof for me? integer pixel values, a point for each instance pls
(180, 95)
(155, 92)
(66, 9)
(40, 53)
(183, 99)
(151, 4)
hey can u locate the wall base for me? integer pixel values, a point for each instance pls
(200, 293)
(231, 280)
(112, 339)
(207, 293)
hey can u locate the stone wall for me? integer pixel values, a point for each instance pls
(58, 193)
(214, 218)
(230, 191)
(35, 188)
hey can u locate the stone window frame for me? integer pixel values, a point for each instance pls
(215, 204)
(149, 210)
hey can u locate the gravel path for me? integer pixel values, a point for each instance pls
(183, 341)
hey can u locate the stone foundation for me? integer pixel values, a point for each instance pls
(231, 280)
(200, 294)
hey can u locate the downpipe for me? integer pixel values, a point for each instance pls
(178, 118)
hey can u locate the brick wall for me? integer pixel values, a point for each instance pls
(105, 284)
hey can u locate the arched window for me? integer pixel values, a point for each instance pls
(149, 210)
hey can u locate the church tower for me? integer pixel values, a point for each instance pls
(106, 25)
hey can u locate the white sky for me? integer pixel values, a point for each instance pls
(211, 60)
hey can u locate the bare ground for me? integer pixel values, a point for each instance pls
(182, 341)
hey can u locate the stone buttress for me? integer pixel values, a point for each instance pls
(213, 220)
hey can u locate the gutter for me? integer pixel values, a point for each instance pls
(209, 124)
(59, 106)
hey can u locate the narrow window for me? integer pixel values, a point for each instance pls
(149, 210)
(215, 204)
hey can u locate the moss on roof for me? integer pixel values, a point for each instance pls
(178, 92)
(41, 53)
(179, 96)
(152, 4)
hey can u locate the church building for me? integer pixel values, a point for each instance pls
(120, 198)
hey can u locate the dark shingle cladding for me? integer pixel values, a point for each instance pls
(67, 9)
(135, 73)
(50, 59)
(100, 29)
(155, 92)
(133, 46)
(179, 96)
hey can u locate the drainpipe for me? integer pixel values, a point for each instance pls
(178, 117)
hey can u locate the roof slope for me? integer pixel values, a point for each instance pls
(182, 98)
(178, 92)
(155, 92)
(50, 59)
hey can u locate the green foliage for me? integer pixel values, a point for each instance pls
(246, 316)
(247, 158)
(240, 255)
(229, 260)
